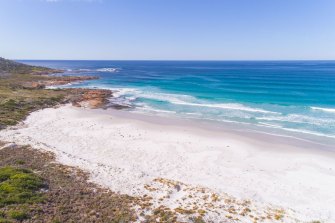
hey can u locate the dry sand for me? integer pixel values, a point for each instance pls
(127, 153)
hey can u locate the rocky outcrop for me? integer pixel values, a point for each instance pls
(66, 80)
(80, 97)
(90, 98)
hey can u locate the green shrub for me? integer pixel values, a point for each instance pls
(20, 162)
(18, 215)
(3, 220)
(19, 186)
(9, 105)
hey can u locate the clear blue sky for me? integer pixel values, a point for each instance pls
(167, 29)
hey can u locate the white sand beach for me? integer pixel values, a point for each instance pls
(128, 154)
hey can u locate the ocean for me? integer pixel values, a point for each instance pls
(292, 98)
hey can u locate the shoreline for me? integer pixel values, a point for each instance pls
(237, 129)
(126, 151)
(321, 139)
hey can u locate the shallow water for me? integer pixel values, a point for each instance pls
(286, 97)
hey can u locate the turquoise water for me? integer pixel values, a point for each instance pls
(290, 96)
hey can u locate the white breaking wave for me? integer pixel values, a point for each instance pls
(229, 106)
(304, 131)
(108, 69)
(270, 125)
(303, 119)
(181, 100)
(52, 87)
(150, 109)
(119, 92)
(172, 98)
(309, 132)
(331, 110)
(104, 69)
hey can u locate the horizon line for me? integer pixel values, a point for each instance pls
(176, 60)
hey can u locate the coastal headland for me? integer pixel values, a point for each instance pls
(23, 90)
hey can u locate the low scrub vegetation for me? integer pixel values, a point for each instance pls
(34, 188)
(19, 96)
(8, 67)
(18, 187)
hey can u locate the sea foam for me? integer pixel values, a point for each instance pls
(187, 100)
(331, 110)
(111, 70)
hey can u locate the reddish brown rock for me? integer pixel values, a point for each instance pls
(92, 98)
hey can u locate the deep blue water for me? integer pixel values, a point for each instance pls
(291, 96)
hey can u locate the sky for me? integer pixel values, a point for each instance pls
(168, 29)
